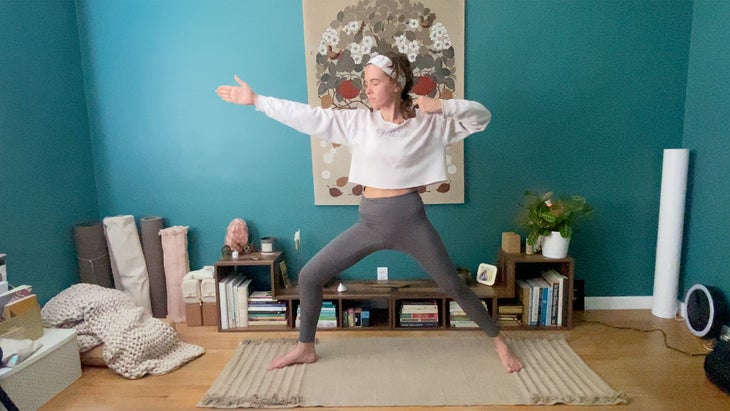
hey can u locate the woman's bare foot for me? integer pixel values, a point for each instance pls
(303, 353)
(510, 362)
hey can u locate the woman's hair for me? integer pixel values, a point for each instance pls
(402, 67)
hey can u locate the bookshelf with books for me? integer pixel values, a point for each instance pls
(364, 306)
(372, 304)
(544, 288)
(245, 293)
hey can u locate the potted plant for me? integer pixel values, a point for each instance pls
(551, 219)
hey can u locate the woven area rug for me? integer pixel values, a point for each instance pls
(455, 369)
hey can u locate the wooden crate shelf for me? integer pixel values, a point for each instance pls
(384, 297)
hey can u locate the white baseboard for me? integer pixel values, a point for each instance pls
(618, 303)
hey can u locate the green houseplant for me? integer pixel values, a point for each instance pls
(546, 214)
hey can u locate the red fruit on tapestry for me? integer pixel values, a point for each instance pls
(348, 90)
(424, 85)
(342, 181)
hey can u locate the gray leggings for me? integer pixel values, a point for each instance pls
(393, 223)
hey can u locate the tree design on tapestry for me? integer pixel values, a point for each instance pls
(373, 27)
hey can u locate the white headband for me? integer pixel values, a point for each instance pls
(383, 63)
(386, 64)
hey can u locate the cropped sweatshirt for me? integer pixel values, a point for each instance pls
(384, 154)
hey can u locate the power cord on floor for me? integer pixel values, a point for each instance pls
(618, 327)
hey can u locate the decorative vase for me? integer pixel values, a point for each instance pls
(555, 246)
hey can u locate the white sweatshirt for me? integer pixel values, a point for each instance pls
(386, 155)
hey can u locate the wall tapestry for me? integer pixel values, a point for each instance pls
(339, 37)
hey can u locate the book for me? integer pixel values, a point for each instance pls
(14, 294)
(242, 303)
(524, 295)
(365, 317)
(419, 307)
(544, 308)
(20, 306)
(554, 296)
(417, 320)
(223, 301)
(419, 315)
(232, 300)
(510, 307)
(534, 301)
(267, 322)
(266, 308)
(420, 324)
(558, 281)
(261, 296)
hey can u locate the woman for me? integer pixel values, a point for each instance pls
(396, 148)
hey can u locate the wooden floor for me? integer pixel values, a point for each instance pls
(638, 363)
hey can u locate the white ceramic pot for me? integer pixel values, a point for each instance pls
(555, 246)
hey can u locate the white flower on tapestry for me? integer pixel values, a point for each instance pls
(409, 48)
(329, 38)
(358, 50)
(329, 157)
(346, 45)
(440, 37)
(352, 27)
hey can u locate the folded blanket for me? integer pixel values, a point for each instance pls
(135, 343)
(206, 272)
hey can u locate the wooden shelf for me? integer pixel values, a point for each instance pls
(516, 266)
(268, 262)
(384, 297)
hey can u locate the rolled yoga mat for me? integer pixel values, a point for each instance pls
(92, 254)
(149, 228)
(127, 260)
(177, 264)
(669, 233)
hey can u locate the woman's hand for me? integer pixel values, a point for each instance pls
(241, 94)
(428, 104)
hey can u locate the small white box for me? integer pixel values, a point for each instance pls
(51, 369)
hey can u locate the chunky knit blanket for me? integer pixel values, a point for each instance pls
(135, 343)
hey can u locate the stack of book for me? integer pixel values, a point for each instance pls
(233, 291)
(458, 318)
(419, 314)
(264, 309)
(327, 316)
(509, 314)
(543, 299)
(356, 317)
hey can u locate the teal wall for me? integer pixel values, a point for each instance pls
(707, 122)
(585, 96)
(47, 179)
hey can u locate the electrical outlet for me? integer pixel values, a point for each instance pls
(382, 273)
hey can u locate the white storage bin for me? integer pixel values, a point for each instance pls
(44, 374)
